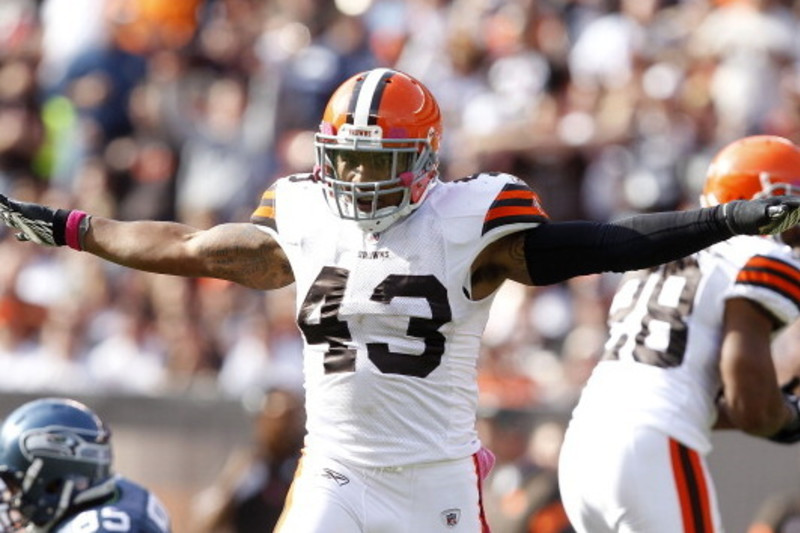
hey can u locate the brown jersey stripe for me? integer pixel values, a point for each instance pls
(526, 194)
(515, 203)
(692, 490)
(264, 215)
(775, 284)
(778, 266)
(772, 274)
(511, 211)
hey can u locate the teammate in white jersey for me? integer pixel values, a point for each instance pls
(688, 351)
(395, 273)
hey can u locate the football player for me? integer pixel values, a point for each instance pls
(395, 272)
(688, 351)
(56, 468)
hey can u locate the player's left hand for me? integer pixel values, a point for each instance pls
(763, 216)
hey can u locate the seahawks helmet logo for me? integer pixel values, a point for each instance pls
(63, 443)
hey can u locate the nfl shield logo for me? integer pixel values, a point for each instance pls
(451, 517)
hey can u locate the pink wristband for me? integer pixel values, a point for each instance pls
(72, 232)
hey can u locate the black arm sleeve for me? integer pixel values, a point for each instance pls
(557, 251)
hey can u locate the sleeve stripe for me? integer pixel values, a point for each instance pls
(264, 215)
(776, 265)
(514, 204)
(489, 225)
(524, 194)
(772, 274)
(264, 211)
(510, 211)
(771, 282)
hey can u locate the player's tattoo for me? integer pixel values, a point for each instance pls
(246, 255)
(516, 248)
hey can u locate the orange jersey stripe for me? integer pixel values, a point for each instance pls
(505, 195)
(770, 280)
(759, 261)
(511, 211)
(264, 211)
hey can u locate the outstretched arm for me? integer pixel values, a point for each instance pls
(236, 252)
(557, 251)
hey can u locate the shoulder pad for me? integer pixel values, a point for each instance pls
(264, 215)
(773, 280)
(498, 199)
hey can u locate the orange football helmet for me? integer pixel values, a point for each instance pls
(753, 167)
(385, 112)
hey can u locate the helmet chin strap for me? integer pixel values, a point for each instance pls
(31, 474)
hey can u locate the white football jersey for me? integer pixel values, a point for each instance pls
(661, 362)
(391, 334)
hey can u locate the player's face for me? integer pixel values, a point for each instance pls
(373, 167)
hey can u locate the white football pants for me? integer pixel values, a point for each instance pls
(327, 496)
(635, 480)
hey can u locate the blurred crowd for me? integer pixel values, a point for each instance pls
(187, 110)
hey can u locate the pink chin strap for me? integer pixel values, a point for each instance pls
(417, 189)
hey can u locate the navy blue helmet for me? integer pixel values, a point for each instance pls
(55, 454)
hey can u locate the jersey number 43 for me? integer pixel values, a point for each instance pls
(326, 295)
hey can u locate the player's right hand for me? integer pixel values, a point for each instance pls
(33, 222)
(763, 216)
(790, 433)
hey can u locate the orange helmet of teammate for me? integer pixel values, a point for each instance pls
(386, 116)
(753, 167)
